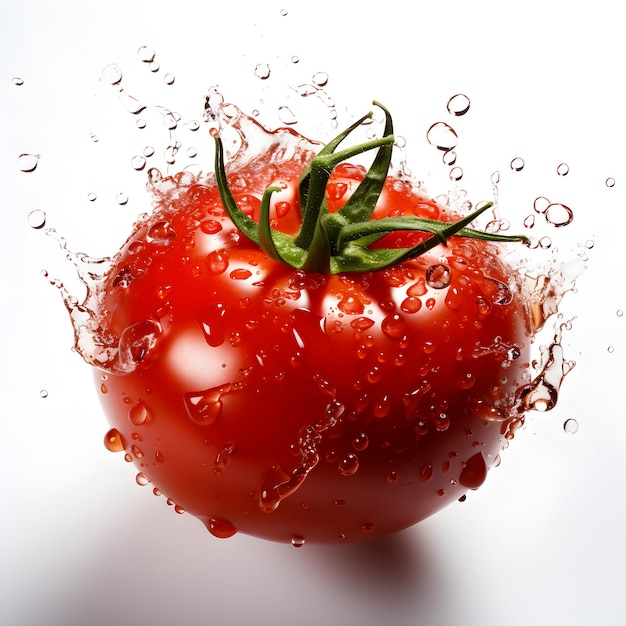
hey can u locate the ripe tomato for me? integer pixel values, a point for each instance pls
(296, 404)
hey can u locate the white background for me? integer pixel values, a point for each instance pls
(543, 542)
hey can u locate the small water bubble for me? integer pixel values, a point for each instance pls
(121, 198)
(154, 67)
(562, 169)
(112, 74)
(262, 71)
(570, 426)
(17, 81)
(140, 123)
(368, 527)
(295, 59)
(541, 204)
(169, 79)
(517, 164)
(320, 79)
(138, 162)
(148, 151)
(456, 173)
(297, 541)
(559, 214)
(442, 136)
(619, 313)
(286, 115)
(610, 349)
(495, 178)
(94, 137)
(284, 12)
(146, 54)
(43, 393)
(92, 197)
(37, 219)
(449, 157)
(27, 162)
(610, 182)
(192, 153)
(529, 221)
(458, 105)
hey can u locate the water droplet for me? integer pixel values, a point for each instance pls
(161, 234)
(610, 182)
(394, 326)
(204, 407)
(541, 204)
(442, 136)
(610, 349)
(138, 162)
(27, 162)
(262, 71)
(138, 414)
(135, 344)
(438, 276)
(559, 214)
(217, 262)
(154, 67)
(17, 81)
(286, 116)
(320, 79)
(619, 313)
(146, 54)
(43, 393)
(37, 219)
(360, 442)
(562, 169)
(517, 164)
(392, 478)
(94, 137)
(297, 541)
(112, 74)
(426, 473)
(169, 79)
(113, 441)
(136, 451)
(570, 426)
(121, 199)
(349, 464)
(92, 197)
(368, 527)
(474, 472)
(449, 157)
(295, 59)
(148, 151)
(142, 480)
(529, 221)
(140, 123)
(458, 105)
(192, 153)
(284, 12)
(456, 173)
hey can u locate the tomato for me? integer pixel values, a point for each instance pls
(295, 402)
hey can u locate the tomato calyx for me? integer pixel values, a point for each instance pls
(339, 242)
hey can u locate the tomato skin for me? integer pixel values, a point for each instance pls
(330, 408)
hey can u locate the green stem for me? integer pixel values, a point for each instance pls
(340, 242)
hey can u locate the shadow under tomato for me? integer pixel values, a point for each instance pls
(394, 566)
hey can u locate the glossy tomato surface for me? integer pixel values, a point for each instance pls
(306, 407)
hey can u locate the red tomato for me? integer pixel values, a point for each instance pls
(295, 405)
